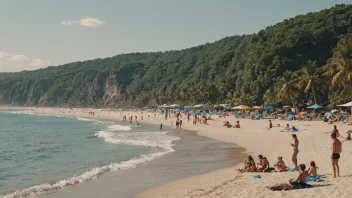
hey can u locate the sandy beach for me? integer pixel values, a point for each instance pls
(254, 136)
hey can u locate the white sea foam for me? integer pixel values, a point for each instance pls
(118, 127)
(147, 139)
(86, 119)
(89, 175)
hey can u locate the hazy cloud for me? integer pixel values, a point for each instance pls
(18, 58)
(39, 63)
(86, 22)
(15, 62)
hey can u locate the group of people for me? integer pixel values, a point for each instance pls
(280, 166)
(228, 125)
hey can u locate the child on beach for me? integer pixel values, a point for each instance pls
(270, 125)
(280, 165)
(312, 170)
(237, 125)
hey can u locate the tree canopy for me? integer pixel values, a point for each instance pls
(240, 69)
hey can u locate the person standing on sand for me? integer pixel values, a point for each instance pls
(336, 131)
(335, 155)
(270, 125)
(295, 151)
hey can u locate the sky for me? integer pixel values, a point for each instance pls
(39, 33)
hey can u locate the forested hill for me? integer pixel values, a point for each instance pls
(237, 68)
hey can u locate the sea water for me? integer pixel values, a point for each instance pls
(42, 153)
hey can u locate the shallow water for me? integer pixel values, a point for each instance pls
(44, 153)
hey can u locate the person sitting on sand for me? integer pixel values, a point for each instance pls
(237, 125)
(298, 183)
(333, 119)
(263, 166)
(249, 165)
(293, 128)
(287, 128)
(280, 165)
(312, 170)
(348, 133)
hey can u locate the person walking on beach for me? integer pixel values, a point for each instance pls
(161, 126)
(336, 131)
(335, 155)
(295, 151)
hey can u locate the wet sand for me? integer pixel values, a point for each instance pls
(193, 155)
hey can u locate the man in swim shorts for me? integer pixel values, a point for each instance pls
(335, 155)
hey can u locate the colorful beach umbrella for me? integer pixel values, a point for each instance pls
(315, 106)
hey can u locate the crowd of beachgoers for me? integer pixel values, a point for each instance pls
(284, 147)
(305, 175)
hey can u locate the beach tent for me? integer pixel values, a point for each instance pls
(315, 106)
(349, 104)
(174, 106)
(241, 107)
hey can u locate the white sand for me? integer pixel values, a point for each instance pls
(315, 144)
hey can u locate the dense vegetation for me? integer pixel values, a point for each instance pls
(293, 61)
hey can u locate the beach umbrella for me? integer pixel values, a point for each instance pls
(199, 105)
(256, 107)
(315, 106)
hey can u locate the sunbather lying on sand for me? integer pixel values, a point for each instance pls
(298, 183)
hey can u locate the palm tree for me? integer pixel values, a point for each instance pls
(339, 67)
(286, 87)
(310, 78)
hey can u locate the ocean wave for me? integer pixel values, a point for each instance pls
(146, 139)
(86, 119)
(94, 173)
(118, 127)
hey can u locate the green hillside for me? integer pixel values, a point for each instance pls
(237, 69)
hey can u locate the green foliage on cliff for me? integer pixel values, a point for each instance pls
(239, 69)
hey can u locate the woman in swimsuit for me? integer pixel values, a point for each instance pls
(249, 165)
(295, 151)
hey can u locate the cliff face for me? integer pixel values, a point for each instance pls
(82, 89)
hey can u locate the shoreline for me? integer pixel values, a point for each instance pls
(255, 138)
(219, 163)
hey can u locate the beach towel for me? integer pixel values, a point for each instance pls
(291, 170)
(315, 178)
(257, 176)
(290, 116)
